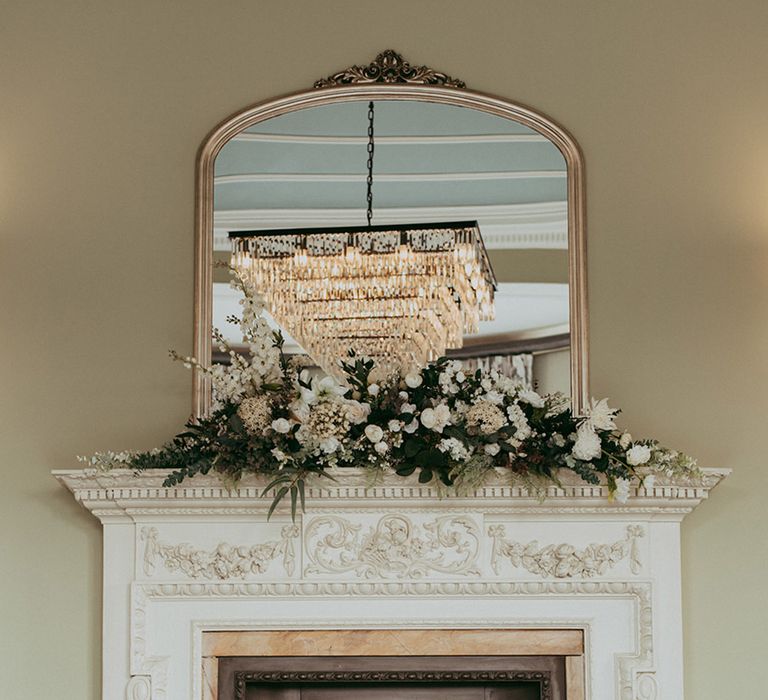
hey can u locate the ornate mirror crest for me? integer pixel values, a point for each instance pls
(389, 67)
(393, 79)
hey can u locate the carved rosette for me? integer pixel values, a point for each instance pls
(225, 561)
(389, 67)
(565, 560)
(393, 547)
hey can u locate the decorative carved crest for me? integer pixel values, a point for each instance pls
(394, 547)
(389, 67)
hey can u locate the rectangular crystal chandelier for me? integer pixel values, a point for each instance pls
(400, 294)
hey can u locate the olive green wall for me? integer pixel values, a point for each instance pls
(102, 107)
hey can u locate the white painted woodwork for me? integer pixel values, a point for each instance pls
(200, 557)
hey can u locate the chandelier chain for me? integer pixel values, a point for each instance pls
(369, 194)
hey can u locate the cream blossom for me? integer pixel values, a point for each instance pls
(325, 389)
(638, 454)
(373, 389)
(281, 425)
(374, 433)
(436, 418)
(601, 415)
(531, 397)
(485, 417)
(492, 449)
(329, 444)
(413, 380)
(621, 494)
(381, 447)
(357, 412)
(625, 441)
(587, 445)
(394, 426)
(279, 455)
(454, 447)
(256, 413)
(412, 426)
(517, 418)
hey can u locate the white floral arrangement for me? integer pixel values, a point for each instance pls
(455, 428)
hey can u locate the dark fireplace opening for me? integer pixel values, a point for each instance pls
(392, 678)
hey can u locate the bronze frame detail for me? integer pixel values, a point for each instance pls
(389, 77)
(543, 678)
(389, 67)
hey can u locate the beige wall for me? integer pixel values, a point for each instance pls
(102, 106)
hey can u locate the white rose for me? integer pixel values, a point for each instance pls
(408, 408)
(460, 376)
(403, 395)
(381, 447)
(412, 426)
(413, 379)
(587, 445)
(394, 426)
(531, 397)
(357, 412)
(428, 418)
(373, 389)
(625, 441)
(492, 449)
(639, 454)
(374, 433)
(281, 425)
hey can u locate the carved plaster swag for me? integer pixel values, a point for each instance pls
(200, 557)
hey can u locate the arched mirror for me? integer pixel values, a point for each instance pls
(433, 156)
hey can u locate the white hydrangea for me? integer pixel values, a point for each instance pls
(455, 448)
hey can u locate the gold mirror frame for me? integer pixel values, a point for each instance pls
(391, 78)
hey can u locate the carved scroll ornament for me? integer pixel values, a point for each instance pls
(393, 547)
(389, 67)
(565, 560)
(224, 561)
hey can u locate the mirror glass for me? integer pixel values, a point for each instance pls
(433, 162)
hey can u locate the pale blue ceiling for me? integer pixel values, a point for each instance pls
(243, 158)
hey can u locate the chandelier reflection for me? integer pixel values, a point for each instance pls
(400, 294)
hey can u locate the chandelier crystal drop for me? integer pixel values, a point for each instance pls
(400, 294)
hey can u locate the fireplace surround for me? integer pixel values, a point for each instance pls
(191, 569)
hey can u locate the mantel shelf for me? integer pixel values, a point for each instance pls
(124, 494)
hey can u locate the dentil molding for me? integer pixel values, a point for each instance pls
(122, 494)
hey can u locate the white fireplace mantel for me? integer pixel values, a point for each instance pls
(200, 557)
